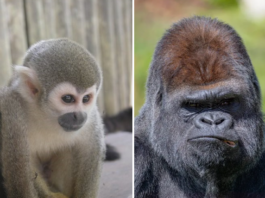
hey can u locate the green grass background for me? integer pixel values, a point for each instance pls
(149, 28)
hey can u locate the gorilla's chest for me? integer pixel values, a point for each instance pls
(178, 187)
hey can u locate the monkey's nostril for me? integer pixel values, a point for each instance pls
(75, 117)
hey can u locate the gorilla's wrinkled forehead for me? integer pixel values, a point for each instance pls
(199, 51)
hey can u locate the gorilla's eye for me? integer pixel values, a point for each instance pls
(193, 105)
(86, 98)
(68, 98)
(227, 102)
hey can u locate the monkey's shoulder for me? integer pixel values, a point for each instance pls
(12, 107)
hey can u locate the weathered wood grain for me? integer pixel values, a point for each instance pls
(16, 30)
(107, 47)
(5, 56)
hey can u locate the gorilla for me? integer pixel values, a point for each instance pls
(200, 132)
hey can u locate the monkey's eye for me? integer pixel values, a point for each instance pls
(86, 98)
(68, 99)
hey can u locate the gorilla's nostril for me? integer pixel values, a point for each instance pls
(207, 121)
(219, 121)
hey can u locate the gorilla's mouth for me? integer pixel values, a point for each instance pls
(230, 143)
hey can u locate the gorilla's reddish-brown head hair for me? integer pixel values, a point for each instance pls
(199, 51)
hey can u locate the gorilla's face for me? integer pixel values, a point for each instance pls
(210, 129)
(205, 101)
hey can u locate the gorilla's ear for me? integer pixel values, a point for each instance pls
(159, 97)
(257, 88)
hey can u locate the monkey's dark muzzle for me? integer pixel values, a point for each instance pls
(72, 121)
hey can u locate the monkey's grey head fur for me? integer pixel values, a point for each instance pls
(62, 60)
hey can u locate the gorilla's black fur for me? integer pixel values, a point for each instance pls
(200, 131)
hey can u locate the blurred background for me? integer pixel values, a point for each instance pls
(153, 17)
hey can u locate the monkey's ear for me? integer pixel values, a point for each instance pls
(29, 85)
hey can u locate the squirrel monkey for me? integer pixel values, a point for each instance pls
(52, 141)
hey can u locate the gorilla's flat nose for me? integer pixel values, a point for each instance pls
(213, 119)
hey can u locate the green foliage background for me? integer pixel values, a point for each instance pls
(149, 28)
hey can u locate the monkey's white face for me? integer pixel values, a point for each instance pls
(71, 106)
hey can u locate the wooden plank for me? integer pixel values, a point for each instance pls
(77, 21)
(35, 21)
(92, 27)
(92, 38)
(16, 30)
(5, 57)
(63, 18)
(120, 53)
(49, 18)
(106, 38)
(127, 15)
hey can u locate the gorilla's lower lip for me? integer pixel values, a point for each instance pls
(231, 143)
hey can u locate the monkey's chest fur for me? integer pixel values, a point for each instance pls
(53, 169)
(46, 170)
(52, 154)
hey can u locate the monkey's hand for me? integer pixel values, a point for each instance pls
(57, 195)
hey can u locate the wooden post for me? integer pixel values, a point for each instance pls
(16, 30)
(78, 21)
(120, 54)
(5, 57)
(92, 38)
(127, 13)
(49, 18)
(106, 38)
(35, 21)
(62, 19)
